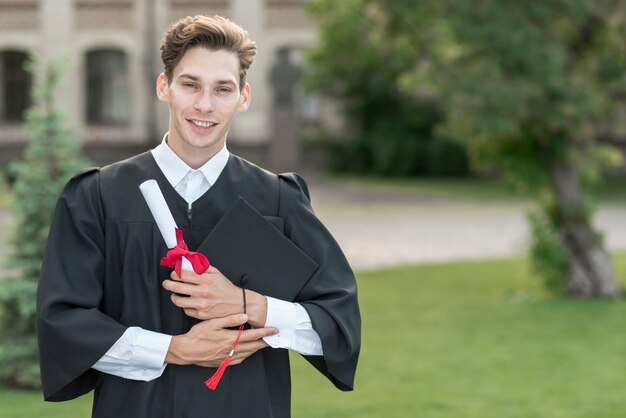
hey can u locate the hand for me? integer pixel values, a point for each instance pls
(211, 295)
(205, 296)
(208, 343)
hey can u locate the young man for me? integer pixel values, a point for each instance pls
(110, 320)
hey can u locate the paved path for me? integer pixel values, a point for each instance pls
(379, 228)
(375, 233)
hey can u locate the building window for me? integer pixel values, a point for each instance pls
(15, 85)
(107, 88)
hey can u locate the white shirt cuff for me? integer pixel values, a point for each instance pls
(139, 354)
(295, 330)
(281, 315)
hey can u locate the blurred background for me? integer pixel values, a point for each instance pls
(468, 156)
(110, 51)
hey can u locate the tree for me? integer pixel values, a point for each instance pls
(391, 128)
(535, 89)
(51, 158)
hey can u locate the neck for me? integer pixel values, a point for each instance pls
(195, 157)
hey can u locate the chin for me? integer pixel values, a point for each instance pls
(203, 145)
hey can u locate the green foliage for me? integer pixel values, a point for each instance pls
(394, 153)
(548, 257)
(354, 59)
(523, 84)
(387, 148)
(51, 158)
(446, 158)
(4, 186)
(18, 348)
(528, 86)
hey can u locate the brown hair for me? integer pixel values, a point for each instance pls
(214, 33)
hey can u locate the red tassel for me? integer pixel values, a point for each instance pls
(217, 376)
(215, 379)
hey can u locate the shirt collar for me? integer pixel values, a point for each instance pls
(176, 169)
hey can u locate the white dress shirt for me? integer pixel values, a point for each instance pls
(139, 354)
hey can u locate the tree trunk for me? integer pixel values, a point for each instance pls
(591, 272)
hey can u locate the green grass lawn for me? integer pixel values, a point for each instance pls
(457, 340)
(477, 340)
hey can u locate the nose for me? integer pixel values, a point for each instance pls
(204, 102)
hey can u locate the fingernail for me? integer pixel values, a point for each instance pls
(275, 331)
(243, 317)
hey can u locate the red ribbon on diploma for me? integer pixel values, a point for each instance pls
(174, 257)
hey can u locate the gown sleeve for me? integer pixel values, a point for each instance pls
(330, 295)
(72, 331)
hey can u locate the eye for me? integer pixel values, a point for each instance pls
(224, 90)
(189, 85)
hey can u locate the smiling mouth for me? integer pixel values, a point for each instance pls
(203, 124)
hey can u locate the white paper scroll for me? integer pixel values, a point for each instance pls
(162, 215)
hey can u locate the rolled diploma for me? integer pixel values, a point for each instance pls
(162, 215)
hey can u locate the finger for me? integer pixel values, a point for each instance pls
(186, 302)
(174, 275)
(250, 347)
(257, 333)
(245, 350)
(194, 313)
(177, 287)
(229, 321)
(190, 277)
(181, 288)
(170, 285)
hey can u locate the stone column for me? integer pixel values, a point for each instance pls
(58, 43)
(251, 128)
(284, 144)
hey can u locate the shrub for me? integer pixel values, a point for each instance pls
(50, 159)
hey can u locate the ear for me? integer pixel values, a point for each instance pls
(162, 88)
(244, 99)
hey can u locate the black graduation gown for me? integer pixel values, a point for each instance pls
(101, 274)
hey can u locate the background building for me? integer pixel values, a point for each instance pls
(110, 49)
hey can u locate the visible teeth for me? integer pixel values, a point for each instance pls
(202, 124)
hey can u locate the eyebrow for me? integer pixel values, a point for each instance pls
(230, 82)
(190, 76)
(197, 79)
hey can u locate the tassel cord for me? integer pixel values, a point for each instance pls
(217, 376)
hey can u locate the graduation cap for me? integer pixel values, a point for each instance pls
(254, 254)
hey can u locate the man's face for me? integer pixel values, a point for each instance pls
(203, 96)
